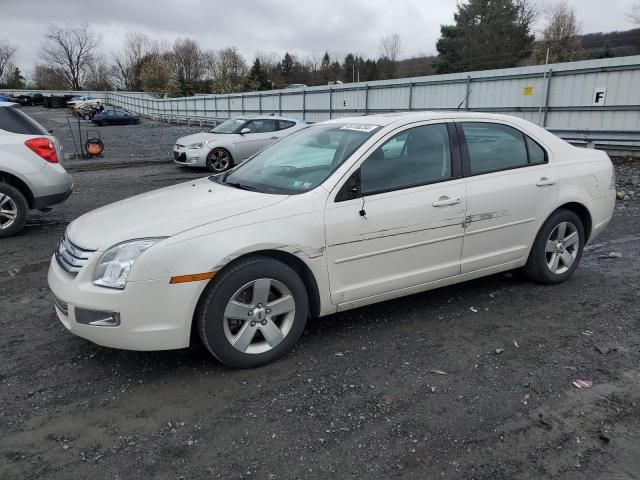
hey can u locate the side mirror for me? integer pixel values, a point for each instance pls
(245, 130)
(351, 188)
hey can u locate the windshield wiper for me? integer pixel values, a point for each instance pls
(241, 186)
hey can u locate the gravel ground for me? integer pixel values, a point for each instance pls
(472, 381)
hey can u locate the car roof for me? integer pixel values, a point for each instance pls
(267, 117)
(402, 117)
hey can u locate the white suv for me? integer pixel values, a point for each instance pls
(30, 175)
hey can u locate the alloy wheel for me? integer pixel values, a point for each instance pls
(219, 160)
(259, 316)
(8, 211)
(562, 247)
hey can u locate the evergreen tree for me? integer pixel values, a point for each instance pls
(16, 80)
(257, 79)
(487, 34)
(286, 67)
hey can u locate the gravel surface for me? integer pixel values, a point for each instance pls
(472, 381)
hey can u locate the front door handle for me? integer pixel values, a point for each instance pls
(445, 201)
(275, 138)
(545, 182)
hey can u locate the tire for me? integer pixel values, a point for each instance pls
(219, 160)
(13, 210)
(247, 340)
(553, 247)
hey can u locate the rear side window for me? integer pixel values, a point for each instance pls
(494, 147)
(262, 126)
(14, 121)
(284, 124)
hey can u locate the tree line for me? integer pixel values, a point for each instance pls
(486, 34)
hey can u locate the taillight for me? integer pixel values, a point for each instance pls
(44, 148)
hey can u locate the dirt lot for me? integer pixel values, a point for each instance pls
(357, 398)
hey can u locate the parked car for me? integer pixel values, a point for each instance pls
(115, 116)
(4, 98)
(30, 174)
(25, 100)
(86, 99)
(232, 142)
(37, 99)
(341, 214)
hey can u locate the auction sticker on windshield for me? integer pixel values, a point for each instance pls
(360, 128)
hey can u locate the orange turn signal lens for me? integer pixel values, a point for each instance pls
(196, 277)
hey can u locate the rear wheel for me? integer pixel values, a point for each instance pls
(557, 249)
(219, 160)
(253, 313)
(13, 210)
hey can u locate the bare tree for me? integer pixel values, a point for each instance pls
(634, 13)
(7, 51)
(68, 50)
(157, 76)
(560, 36)
(99, 74)
(187, 57)
(227, 69)
(390, 47)
(128, 62)
(47, 78)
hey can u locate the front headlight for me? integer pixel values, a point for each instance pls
(199, 144)
(115, 264)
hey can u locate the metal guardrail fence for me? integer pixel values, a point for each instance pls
(595, 103)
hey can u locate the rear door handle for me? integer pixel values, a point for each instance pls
(445, 201)
(545, 182)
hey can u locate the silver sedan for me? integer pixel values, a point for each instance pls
(232, 141)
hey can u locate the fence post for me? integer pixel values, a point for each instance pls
(229, 105)
(330, 103)
(366, 99)
(411, 96)
(468, 93)
(304, 105)
(242, 103)
(260, 103)
(280, 103)
(546, 99)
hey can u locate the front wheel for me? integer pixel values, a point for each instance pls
(557, 249)
(253, 313)
(219, 160)
(13, 210)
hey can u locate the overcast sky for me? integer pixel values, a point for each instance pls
(262, 26)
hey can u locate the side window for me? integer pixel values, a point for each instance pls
(262, 126)
(494, 147)
(537, 154)
(414, 157)
(284, 124)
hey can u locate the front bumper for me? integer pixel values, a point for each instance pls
(154, 315)
(190, 157)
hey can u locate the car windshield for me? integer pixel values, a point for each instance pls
(301, 161)
(230, 126)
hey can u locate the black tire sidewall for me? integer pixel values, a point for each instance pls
(537, 267)
(210, 156)
(23, 209)
(210, 316)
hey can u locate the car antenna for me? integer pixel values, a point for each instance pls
(464, 99)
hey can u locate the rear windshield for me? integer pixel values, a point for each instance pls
(14, 121)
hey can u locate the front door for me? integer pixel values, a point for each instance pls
(407, 227)
(510, 190)
(263, 133)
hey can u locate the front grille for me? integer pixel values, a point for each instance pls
(70, 257)
(180, 157)
(61, 305)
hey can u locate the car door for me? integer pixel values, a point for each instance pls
(405, 226)
(263, 133)
(510, 189)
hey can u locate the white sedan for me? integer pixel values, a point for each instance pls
(341, 214)
(232, 142)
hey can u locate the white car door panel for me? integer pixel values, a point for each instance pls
(263, 133)
(410, 235)
(505, 208)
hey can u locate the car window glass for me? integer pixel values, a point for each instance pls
(262, 126)
(494, 147)
(14, 121)
(536, 152)
(414, 157)
(284, 124)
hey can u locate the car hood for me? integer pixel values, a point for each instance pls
(165, 212)
(201, 137)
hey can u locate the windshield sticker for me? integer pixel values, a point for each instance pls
(359, 128)
(299, 185)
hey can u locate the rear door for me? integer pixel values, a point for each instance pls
(510, 186)
(263, 133)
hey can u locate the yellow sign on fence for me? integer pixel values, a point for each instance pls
(528, 91)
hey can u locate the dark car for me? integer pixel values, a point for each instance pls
(115, 116)
(25, 100)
